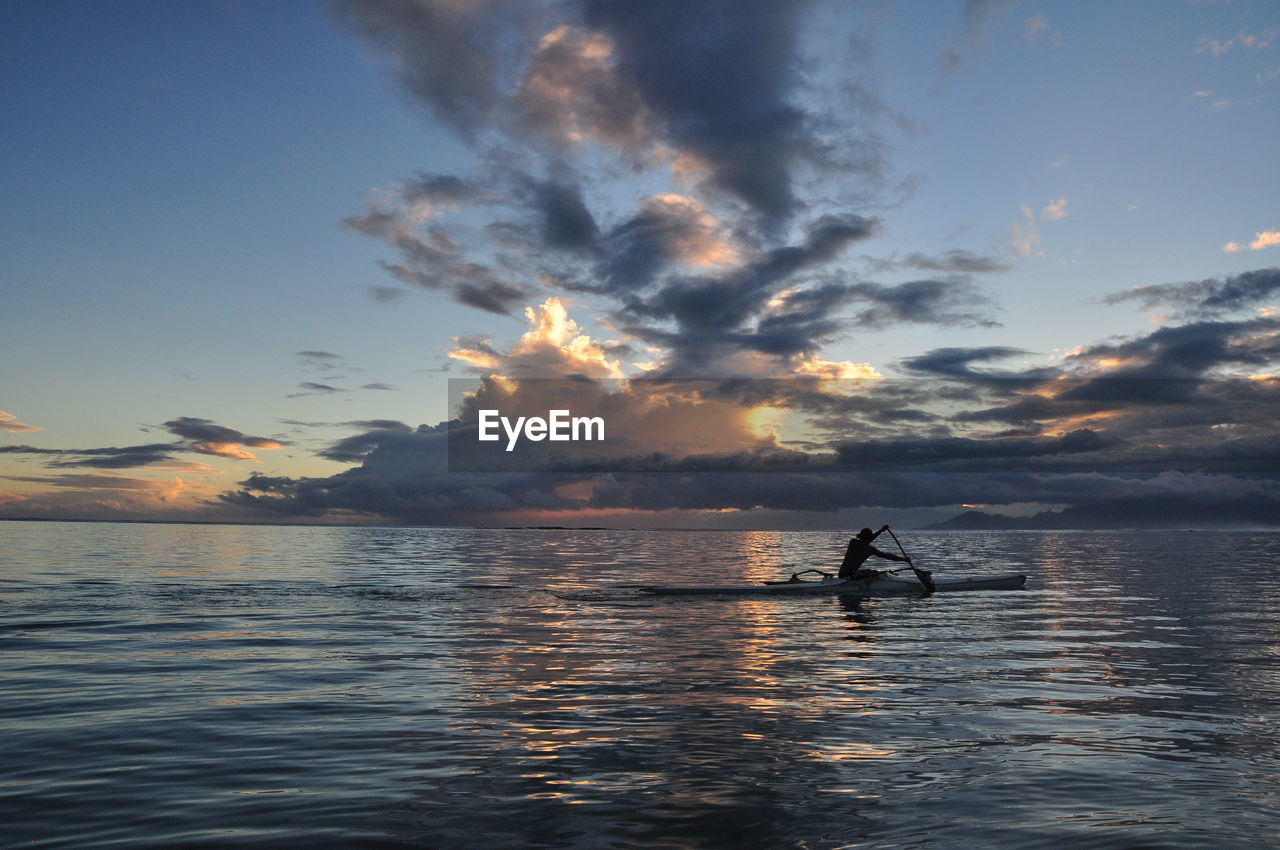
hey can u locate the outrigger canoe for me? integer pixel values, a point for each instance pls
(885, 583)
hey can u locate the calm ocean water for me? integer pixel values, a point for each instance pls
(228, 686)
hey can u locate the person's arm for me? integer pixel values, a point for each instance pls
(888, 556)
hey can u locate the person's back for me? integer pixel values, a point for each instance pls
(859, 550)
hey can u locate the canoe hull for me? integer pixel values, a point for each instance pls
(879, 586)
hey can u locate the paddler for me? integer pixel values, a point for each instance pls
(860, 549)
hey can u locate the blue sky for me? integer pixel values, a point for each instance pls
(191, 241)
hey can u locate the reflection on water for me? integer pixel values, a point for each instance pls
(444, 687)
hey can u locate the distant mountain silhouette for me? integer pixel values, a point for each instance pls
(1147, 514)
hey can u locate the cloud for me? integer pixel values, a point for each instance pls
(713, 315)
(1205, 298)
(1152, 417)
(719, 86)
(675, 176)
(957, 262)
(1243, 40)
(100, 496)
(555, 345)
(572, 93)
(566, 222)
(1265, 239)
(1023, 234)
(206, 437)
(452, 56)
(1055, 211)
(667, 229)
(433, 260)
(358, 447)
(154, 455)
(427, 193)
(935, 302)
(682, 85)
(742, 155)
(967, 38)
(957, 363)
(1189, 350)
(1032, 27)
(325, 358)
(10, 423)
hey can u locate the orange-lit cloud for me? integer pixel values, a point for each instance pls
(697, 238)
(10, 423)
(231, 450)
(1056, 210)
(1264, 239)
(96, 495)
(836, 376)
(554, 345)
(571, 93)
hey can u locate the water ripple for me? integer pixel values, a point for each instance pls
(224, 686)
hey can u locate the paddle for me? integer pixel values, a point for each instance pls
(923, 575)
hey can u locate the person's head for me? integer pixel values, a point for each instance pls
(866, 534)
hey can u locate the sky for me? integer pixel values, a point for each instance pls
(816, 264)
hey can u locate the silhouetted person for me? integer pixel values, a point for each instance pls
(859, 550)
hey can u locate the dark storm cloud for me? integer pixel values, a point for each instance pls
(726, 302)
(715, 90)
(1205, 298)
(368, 424)
(404, 486)
(198, 436)
(1190, 350)
(388, 434)
(565, 222)
(959, 453)
(401, 478)
(432, 261)
(121, 458)
(956, 367)
(718, 75)
(956, 362)
(826, 492)
(714, 85)
(712, 314)
(939, 302)
(1170, 451)
(438, 189)
(486, 292)
(806, 319)
(641, 247)
(203, 430)
(714, 79)
(957, 262)
(450, 55)
(103, 458)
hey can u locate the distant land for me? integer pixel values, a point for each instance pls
(1153, 514)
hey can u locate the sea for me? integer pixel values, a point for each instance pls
(279, 686)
